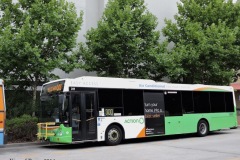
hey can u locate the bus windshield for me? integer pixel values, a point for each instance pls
(53, 108)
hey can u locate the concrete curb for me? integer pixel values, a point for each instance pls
(12, 145)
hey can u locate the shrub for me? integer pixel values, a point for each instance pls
(21, 129)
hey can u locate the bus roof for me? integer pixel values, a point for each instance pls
(127, 83)
(1, 81)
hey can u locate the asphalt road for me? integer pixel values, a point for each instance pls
(222, 145)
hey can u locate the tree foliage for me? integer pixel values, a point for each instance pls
(125, 42)
(36, 36)
(206, 42)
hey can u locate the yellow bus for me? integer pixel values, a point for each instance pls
(2, 112)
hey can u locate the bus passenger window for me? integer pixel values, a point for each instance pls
(111, 99)
(229, 102)
(217, 102)
(133, 102)
(172, 101)
(201, 102)
(187, 102)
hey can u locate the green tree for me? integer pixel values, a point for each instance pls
(125, 42)
(206, 42)
(36, 36)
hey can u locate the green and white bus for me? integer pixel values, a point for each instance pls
(112, 109)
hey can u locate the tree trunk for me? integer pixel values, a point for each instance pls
(34, 89)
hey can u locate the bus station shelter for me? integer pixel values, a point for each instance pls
(236, 86)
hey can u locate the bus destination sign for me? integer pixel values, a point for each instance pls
(56, 88)
(53, 87)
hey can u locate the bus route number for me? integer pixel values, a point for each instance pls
(109, 112)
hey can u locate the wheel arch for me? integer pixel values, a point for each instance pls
(204, 119)
(120, 126)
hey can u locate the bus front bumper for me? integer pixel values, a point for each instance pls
(62, 135)
(65, 139)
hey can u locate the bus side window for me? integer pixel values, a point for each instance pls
(201, 102)
(187, 102)
(111, 99)
(133, 102)
(229, 102)
(217, 102)
(173, 105)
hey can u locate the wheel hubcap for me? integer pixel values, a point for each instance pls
(113, 135)
(203, 128)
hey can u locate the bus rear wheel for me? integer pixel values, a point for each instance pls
(203, 128)
(113, 135)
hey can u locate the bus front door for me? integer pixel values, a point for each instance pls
(84, 116)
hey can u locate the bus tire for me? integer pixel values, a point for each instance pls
(113, 135)
(202, 128)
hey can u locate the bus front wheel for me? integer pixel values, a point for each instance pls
(113, 135)
(203, 128)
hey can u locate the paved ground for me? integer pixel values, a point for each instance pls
(222, 145)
